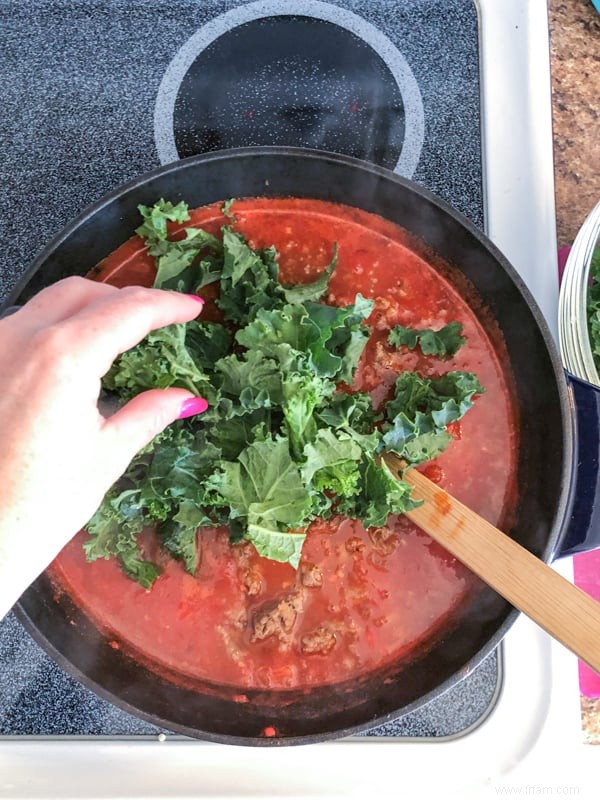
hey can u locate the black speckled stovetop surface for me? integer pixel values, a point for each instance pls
(80, 86)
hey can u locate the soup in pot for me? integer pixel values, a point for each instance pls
(359, 597)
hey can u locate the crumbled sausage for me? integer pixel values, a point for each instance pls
(320, 641)
(243, 553)
(355, 545)
(278, 619)
(252, 581)
(239, 619)
(311, 576)
(384, 540)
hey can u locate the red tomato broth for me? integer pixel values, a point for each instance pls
(383, 593)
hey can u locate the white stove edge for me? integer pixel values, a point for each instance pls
(517, 143)
(531, 742)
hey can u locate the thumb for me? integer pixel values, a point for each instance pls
(142, 418)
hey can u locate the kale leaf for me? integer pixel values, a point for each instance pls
(312, 291)
(283, 442)
(422, 408)
(175, 259)
(249, 279)
(379, 493)
(265, 490)
(162, 482)
(332, 463)
(443, 343)
(593, 307)
(161, 360)
(331, 337)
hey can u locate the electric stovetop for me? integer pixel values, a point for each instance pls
(95, 93)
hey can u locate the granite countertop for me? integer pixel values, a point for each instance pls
(575, 64)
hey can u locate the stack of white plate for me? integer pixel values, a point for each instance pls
(573, 330)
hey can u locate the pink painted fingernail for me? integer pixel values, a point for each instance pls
(196, 298)
(191, 406)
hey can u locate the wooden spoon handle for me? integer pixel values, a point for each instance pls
(561, 609)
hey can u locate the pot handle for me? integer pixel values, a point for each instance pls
(582, 530)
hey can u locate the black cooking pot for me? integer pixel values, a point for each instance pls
(547, 470)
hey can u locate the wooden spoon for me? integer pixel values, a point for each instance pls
(561, 609)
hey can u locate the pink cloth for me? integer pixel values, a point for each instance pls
(563, 254)
(586, 567)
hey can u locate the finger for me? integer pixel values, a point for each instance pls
(62, 300)
(141, 419)
(116, 323)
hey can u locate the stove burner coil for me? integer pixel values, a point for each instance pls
(260, 75)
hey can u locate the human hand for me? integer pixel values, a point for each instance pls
(58, 454)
